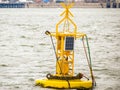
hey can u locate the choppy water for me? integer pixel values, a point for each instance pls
(26, 52)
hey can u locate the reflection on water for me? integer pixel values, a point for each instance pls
(26, 53)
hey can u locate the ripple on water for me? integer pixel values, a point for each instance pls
(3, 65)
(109, 88)
(27, 45)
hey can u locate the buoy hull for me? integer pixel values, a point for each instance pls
(64, 84)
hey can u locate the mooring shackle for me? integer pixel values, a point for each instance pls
(49, 76)
(79, 75)
(47, 33)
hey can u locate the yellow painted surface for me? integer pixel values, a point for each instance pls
(65, 66)
(75, 84)
(65, 58)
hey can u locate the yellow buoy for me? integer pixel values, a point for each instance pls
(63, 84)
(64, 51)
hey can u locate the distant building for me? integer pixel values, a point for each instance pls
(58, 1)
(78, 1)
(38, 1)
(4, 1)
(118, 1)
(26, 1)
(46, 1)
(12, 1)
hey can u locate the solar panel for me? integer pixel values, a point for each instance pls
(69, 43)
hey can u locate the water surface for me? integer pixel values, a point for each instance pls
(26, 52)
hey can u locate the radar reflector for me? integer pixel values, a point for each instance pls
(69, 43)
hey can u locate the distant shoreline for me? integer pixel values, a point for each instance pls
(77, 5)
(57, 5)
